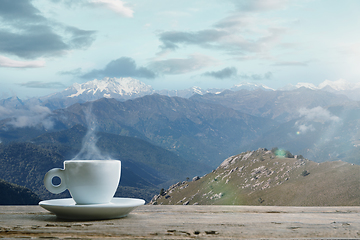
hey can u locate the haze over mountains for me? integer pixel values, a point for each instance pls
(190, 131)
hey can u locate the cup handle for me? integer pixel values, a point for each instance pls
(55, 172)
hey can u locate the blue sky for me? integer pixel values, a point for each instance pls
(47, 45)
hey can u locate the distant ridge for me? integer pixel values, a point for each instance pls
(338, 85)
(129, 88)
(250, 87)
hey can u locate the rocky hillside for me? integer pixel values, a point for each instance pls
(265, 177)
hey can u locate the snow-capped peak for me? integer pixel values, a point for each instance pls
(109, 87)
(250, 86)
(341, 86)
(306, 85)
(338, 85)
(198, 90)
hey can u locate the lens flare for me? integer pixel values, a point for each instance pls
(280, 153)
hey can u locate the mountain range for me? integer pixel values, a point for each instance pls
(281, 106)
(128, 88)
(118, 88)
(230, 122)
(193, 130)
(163, 138)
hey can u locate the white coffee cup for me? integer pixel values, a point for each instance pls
(88, 181)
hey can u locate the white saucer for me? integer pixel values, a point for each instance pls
(67, 208)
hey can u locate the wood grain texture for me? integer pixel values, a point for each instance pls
(179, 222)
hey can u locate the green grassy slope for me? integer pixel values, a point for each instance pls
(262, 178)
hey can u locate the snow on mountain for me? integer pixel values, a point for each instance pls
(129, 88)
(186, 93)
(119, 88)
(306, 85)
(111, 87)
(290, 87)
(339, 85)
(250, 87)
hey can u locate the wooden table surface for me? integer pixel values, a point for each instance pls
(181, 222)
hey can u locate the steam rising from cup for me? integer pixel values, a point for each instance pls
(89, 150)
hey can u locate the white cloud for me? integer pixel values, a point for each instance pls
(7, 62)
(318, 114)
(4, 112)
(31, 117)
(261, 5)
(116, 6)
(339, 85)
(304, 128)
(314, 115)
(182, 65)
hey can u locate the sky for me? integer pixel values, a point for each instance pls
(48, 45)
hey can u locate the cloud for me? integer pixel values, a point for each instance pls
(231, 72)
(78, 38)
(121, 67)
(38, 84)
(259, 5)
(243, 33)
(116, 6)
(257, 77)
(19, 12)
(228, 40)
(35, 41)
(5, 112)
(31, 117)
(7, 62)
(318, 114)
(314, 115)
(304, 128)
(245, 16)
(205, 38)
(235, 21)
(182, 65)
(224, 73)
(74, 72)
(27, 34)
(292, 63)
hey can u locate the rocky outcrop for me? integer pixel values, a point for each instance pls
(262, 177)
